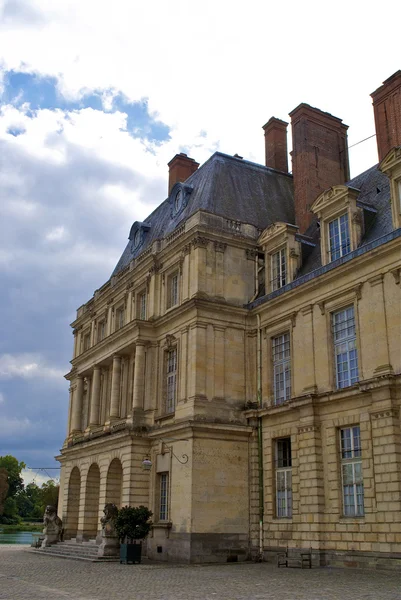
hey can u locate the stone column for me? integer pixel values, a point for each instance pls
(139, 377)
(77, 407)
(115, 388)
(95, 398)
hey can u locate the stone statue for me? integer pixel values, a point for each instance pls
(110, 545)
(53, 527)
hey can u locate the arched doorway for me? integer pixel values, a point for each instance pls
(74, 493)
(114, 482)
(91, 513)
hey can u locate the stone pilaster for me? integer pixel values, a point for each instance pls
(115, 388)
(94, 416)
(139, 377)
(76, 424)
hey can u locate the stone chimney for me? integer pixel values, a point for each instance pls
(319, 157)
(387, 109)
(276, 144)
(180, 168)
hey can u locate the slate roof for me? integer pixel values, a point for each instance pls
(240, 190)
(230, 187)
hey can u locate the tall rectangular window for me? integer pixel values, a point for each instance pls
(351, 471)
(279, 269)
(345, 350)
(142, 306)
(101, 330)
(281, 368)
(119, 318)
(171, 383)
(339, 238)
(283, 478)
(172, 290)
(87, 341)
(163, 497)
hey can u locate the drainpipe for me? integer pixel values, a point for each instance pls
(260, 438)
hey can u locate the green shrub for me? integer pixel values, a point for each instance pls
(133, 523)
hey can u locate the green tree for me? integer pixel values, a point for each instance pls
(14, 479)
(29, 502)
(3, 488)
(49, 494)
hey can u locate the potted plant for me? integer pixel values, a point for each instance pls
(132, 526)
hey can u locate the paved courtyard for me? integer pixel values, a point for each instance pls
(24, 576)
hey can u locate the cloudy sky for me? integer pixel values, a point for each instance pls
(95, 98)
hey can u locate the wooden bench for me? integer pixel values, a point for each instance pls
(295, 558)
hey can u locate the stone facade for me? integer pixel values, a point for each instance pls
(255, 365)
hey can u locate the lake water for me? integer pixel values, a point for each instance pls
(18, 537)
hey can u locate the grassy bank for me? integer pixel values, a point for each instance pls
(21, 527)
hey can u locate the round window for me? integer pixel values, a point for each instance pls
(137, 238)
(178, 201)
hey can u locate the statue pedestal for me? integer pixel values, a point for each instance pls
(110, 545)
(52, 536)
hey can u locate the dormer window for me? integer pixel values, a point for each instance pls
(279, 269)
(179, 197)
(137, 235)
(283, 252)
(178, 201)
(391, 166)
(339, 238)
(342, 221)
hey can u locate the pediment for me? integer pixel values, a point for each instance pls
(276, 230)
(391, 159)
(333, 195)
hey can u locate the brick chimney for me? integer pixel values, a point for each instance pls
(319, 157)
(180, 168)
(276, 144)
(387, 109)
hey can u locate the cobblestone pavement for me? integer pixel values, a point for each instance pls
(24, 576)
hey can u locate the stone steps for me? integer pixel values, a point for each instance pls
(75, 551)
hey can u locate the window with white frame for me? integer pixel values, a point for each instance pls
(172, 290)
(351, 471)
(283, 478)
(142, 306)
(281, 368)
(278, 269)
(120, 318)
(339, 238)
(171, 382)
(345, 349)
(163, 496)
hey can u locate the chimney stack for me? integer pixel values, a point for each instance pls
(319, 157)
(387, 109)
(276, 144)
(180, 168)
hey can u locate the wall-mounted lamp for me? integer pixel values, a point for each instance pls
(147, 463)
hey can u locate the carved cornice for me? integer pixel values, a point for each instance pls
(396, 273)
(156, 266)
(186, 249)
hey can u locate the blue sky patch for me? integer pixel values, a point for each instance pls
(42, 93)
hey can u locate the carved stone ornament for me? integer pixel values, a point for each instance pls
(186, 249)
(220, 246)
(251, 253)
(200, 242)
(155, 268)
(53, 527)
(170, 340)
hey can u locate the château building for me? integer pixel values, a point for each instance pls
(239, 373)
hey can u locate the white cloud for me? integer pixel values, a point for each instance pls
(27, 366)
(38, 476)
(56, 234)
(11, 426)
